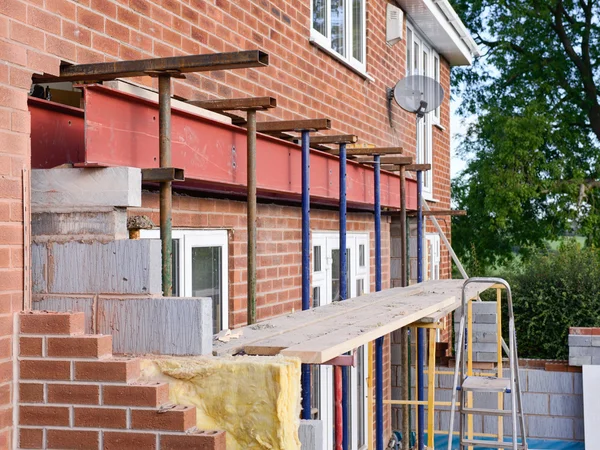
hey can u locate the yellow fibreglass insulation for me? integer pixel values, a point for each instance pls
(255, 399)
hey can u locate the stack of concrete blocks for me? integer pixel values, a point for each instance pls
(83, 260)
(485, 333)
(552, 402)
(584, 346)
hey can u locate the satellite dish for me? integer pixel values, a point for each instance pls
(418, 94)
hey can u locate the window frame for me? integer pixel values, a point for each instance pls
(414, 66)
(329, 241)
(324, 41)
(194, 238)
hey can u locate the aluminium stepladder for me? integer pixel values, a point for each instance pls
(463, 383)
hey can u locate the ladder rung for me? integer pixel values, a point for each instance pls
(487, 412)
(491, 444)
(486, 384)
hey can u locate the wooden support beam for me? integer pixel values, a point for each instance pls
(163, 174)
(441, 212)
(293, 125)
(369, 151)
(142, 67)
(395, 160)
(334, 139)
(418, 167)
(236, 104)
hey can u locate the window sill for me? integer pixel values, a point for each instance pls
(431, 199)
(360, 72)
(439, 126)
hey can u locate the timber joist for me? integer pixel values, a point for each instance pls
(441, 212)
(390, 160)
(418, 167)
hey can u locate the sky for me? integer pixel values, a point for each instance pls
(456, 128)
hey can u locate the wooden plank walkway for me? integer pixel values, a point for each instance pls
(320, 334)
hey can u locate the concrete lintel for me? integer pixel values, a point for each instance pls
(85, 187)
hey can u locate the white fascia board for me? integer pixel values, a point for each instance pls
(440, 24)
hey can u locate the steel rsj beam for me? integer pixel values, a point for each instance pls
(141, 67)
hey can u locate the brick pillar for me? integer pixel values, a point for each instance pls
(74, 394)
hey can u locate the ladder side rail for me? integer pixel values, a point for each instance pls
(456, 376)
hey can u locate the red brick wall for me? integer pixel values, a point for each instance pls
(74, 394)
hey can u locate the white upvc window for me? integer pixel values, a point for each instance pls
(339, 27)
(200, 268)
(421, 59)
(326, 289)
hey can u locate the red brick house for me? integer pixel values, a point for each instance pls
(328, 58)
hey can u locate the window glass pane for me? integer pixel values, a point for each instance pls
(335, 274)
(317, 258)
(319, 19)
(409, 45)
(425, 65)
(207, 279)
(315, 391)
(338, 26)
(358, 33)
(361, 393)
(416, 59)
(360, 287)
(361, 255)
(316, 296)
(176, 268)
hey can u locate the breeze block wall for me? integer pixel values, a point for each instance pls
(74, 394)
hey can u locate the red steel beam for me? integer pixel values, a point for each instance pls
(121, 129)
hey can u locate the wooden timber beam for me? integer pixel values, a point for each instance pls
(236, 104)
(334, 139)
(369, 151)
(143, 67)
(418, 167)
(293, 125)
(395, 160)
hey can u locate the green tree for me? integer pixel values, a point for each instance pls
(532, 151)
(553, 291)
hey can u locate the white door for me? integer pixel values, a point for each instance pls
(326, 289)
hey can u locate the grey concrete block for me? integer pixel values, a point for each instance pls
(595, 360)
(60, 188)
(580, 341)
(485, 356)
(580, 360)
(99, 223)
(578, 383)
(566, 405)
(157, 325)
(550, 427)
(64, 304)
(485, 347)
(595, 341)
(484, 318)
(484, 328)
(484, 308)
(579, 429)
(39, 267)
(481, 336)
(310, 433)
(396, 268)
(551, 382)
(535, 403)
(581, 351)
(119, 267)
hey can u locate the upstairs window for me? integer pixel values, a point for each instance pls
(339, 27)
